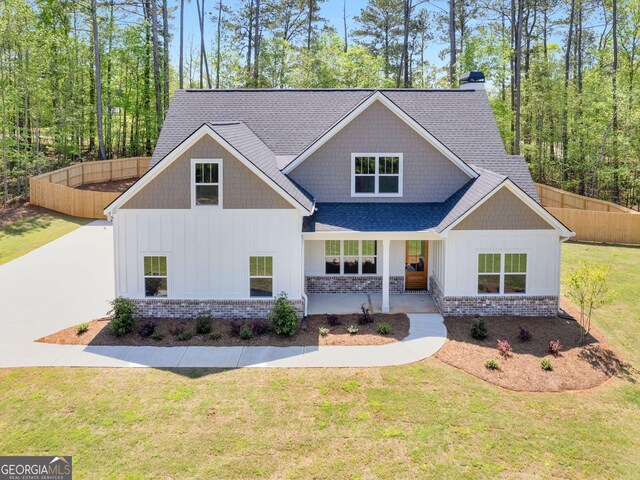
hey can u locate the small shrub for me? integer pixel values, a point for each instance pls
(491, 364)
(147, 328)
(384, 328)
(283, 317)
(546, 365)
(524, 335)
(214, 336)
(177, 329)
(185, 336)
(203, 323)
(259, 327)
(366, 317)
(352, 329)
(324, 331)
(245, 333)
(334, 320)
(504, 347)
(124, 316)
(554, 347)
(157, 335)
(479, 329)
(83, 328)
(236, 326)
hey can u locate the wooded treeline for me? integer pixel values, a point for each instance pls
(92, 79)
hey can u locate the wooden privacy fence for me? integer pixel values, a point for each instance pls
(593, 220)
(56, 190)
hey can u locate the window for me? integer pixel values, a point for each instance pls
(376, 175)
(492, 278)
(261, 276)
(207, 185)
(155, 276)
(350, 257)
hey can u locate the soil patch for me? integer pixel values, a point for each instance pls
(100, 334)
(112, 186)
(17, 210)
(577, 367)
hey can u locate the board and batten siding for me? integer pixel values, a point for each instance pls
(437, 260)
(428, 176)
(314, 258)
(208, 252)
(461, 258)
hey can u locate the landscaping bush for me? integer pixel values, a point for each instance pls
(157, 335)
(524, 335)
(245, 333)
(177, 329)
(384, 328)
(283, 317)
(554, 347)
(504, 347)
(236, 326)
(185, 336)
(259, 327)
(491, 364)
(215, 336)
(334, 320)
(147, 328)
(352, 329)
(546, 365)
(324, 331)
(83, 328)
(124, 316)
(366, 317)
(479, 329)
(203, 323)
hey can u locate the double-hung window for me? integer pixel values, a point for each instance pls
(376, 175)
(155, 276)
(261, 276)
(502, 273)
(350, 257)
(206, 183)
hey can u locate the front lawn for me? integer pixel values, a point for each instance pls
(426, 420)
(30, 228)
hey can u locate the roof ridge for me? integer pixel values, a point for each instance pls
(289, 90)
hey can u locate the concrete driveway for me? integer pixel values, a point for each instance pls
(63, 283)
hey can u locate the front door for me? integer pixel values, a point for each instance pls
(416, 265)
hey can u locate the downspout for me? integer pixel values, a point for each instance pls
(303, 295)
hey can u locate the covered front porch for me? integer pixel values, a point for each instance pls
(346, 303)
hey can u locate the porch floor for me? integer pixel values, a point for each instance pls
(344, 303)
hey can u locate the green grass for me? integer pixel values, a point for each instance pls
(620, 321)
(426, 420)
(27, 234)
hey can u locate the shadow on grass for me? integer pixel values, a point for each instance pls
(37, 222)
(607, 361)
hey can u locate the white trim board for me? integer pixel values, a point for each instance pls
(183, 148)
(380, 97)
(530, 202)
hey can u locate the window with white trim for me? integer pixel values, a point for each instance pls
(261, 276)
(207, 188)
(376, 174)
(350, 257)
(502, 273)
(155, 276)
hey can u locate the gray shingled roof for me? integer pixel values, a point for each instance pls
(255, 151)
(288, 121)
(402, 217)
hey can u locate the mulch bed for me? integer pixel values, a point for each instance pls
(100, 334)
(112, 186)
(577, 368)
(17, 210)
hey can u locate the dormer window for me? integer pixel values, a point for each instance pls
(376, 175)
(206, 183)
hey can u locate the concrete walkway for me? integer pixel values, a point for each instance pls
(427, 334)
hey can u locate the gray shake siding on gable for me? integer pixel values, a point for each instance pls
(241, 187)
(503, 211)
(427, 175)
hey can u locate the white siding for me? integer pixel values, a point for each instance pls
(208, 252)
(436, 260)
(541, 246)
(314, 257)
